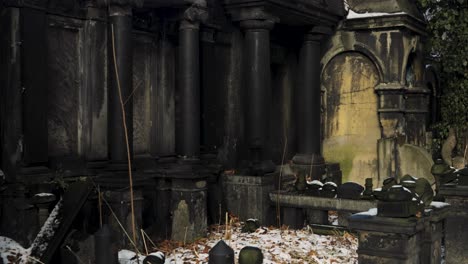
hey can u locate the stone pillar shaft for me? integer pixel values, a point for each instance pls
(121, 74)
(189, 87)
(308, 98)
(257, 84)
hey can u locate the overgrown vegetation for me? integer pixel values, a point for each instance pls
(447, 45)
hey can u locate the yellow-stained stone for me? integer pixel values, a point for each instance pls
(351, 126)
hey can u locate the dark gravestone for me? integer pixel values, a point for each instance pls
(313, 188)
(221, 253)
(368, 193)
(329, 190)
(424, 191)
(350, 190)
(388, 183)
(250, 255)
(250, 225)
(399, 202)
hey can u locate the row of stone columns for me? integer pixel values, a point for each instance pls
(307, 102)
(120, 43)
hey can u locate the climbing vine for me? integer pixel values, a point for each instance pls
(447, 45)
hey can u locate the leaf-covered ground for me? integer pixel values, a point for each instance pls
(277, 245)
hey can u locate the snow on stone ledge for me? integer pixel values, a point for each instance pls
(354, 15)
(371, 212)
(439, 204)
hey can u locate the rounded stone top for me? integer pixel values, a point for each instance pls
(385, 6)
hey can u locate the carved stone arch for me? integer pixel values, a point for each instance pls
(351, 122)
(360, 48)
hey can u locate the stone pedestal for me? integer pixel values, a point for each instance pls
(434, 233)
(401, 240)
(456, 228)
(388, 240)
(248, 196)
(188, 208)
(119, 201)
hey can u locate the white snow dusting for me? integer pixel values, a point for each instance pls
(278, 246)
(12, 252)
(371, 212)
(439, 204)
(41, 242)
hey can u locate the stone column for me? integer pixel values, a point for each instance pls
(189, 87)
(308, 162)
(120, 74)
(188, 184)
(257, 85)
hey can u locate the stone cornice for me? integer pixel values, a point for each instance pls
(386, 22)
(123, 3)
(289, 12)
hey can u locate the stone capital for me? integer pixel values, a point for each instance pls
(195, 14)
(188, 24)
(318, 33)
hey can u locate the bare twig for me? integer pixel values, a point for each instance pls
(185, 235)
(278, 212)
(144, 241)
(100, 206)
(151, 241)
(74, 254)
(130, 177)
(35, 259)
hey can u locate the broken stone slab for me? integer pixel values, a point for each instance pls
(60, 219)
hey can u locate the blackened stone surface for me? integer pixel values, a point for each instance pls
(63, 91)
(33, 25)
(401, 240)
(456, 227)
(387, 240)
(119, 201)
(247, 196)
(350, 190)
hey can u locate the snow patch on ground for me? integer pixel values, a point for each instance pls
(278, 246)
(13, 252)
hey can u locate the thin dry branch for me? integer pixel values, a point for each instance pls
(124, 121)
